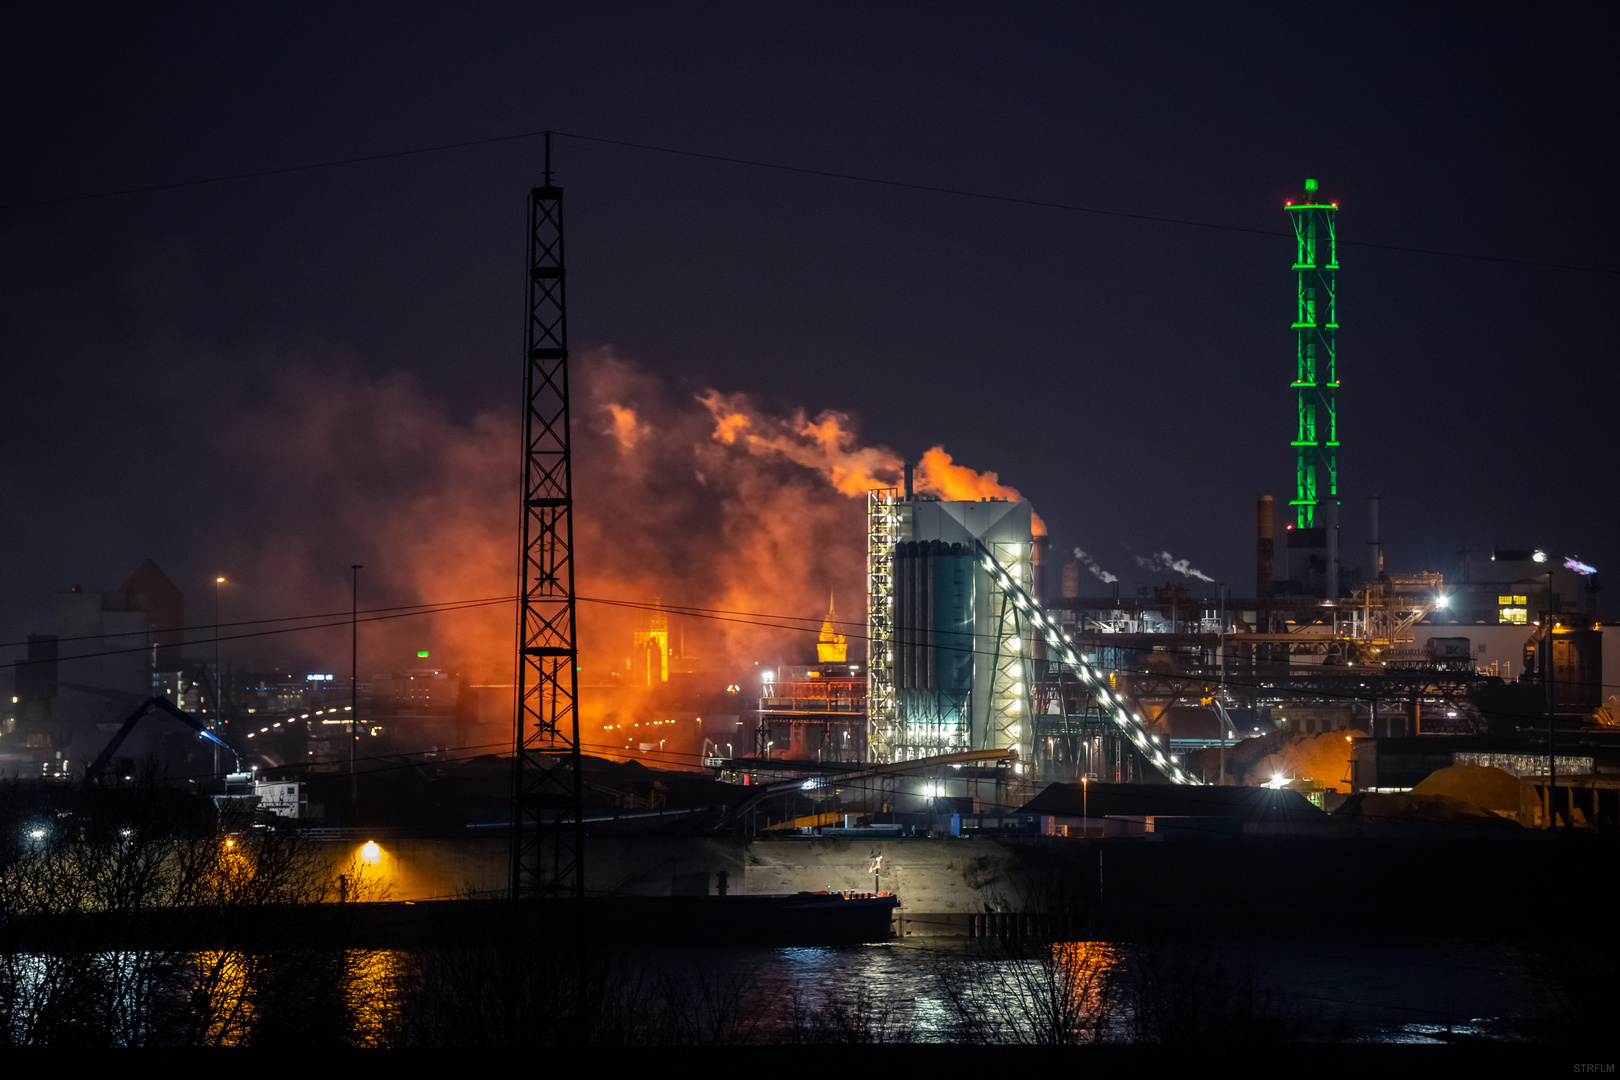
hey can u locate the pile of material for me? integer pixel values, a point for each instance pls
(1479, 786)
(1415, 809)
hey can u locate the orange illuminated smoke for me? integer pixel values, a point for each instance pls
(828, 445)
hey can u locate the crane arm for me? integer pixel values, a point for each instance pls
(150, 705)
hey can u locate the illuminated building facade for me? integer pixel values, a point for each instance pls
(948, 651)
(813, 712)
(649, 655)
(831, 648)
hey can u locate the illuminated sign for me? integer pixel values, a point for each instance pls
(318, 678)
(1579, 567)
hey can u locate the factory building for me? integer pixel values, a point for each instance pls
(949, 652)
(813, 712)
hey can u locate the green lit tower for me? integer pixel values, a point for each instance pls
(1316, 374)
(1316, 377)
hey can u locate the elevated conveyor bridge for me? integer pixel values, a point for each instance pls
(1061, 650)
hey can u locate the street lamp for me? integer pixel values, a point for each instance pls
(219, 676)
(1220, 703)
(354, 679)
(1552, 704)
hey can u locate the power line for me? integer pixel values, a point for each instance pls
(426, 608)
(826, 174)
(439, 609)
(227, 178)
(760, 619)
(1068, 207)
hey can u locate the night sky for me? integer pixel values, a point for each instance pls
(1130, 377)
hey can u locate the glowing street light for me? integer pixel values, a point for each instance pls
(219, 675)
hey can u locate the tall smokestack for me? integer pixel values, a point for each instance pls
(908, 479)
(1265, 567)
(1331, 589)
(1375, 547)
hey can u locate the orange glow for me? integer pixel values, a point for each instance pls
(940, 475)
(824, 444)
(625, 427)
(828, 445)
(708, 501)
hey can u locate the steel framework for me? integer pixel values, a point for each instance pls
(547, 796)
(1011, 674)
(882, 532)
(1316, 378)
(1061, 650)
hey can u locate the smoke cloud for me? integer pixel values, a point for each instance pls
(828, 445)
(1096, 571)
(706, 502)
(1163, 560)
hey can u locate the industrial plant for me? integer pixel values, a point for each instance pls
(984, 728)
(981, 673)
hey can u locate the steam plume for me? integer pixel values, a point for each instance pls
(1096, 571)
(1163, 560)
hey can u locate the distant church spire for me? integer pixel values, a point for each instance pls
(830, 648)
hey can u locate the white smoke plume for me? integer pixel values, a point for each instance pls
(1163, 560)
(1096, 571)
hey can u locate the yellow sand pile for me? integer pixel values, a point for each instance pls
(1477, 785)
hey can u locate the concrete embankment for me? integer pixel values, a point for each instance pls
(929, 875)
(1392, 882)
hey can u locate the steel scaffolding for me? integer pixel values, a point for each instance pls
(882, 532)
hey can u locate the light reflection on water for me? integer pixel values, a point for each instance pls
(1352, 991)
(946, 990)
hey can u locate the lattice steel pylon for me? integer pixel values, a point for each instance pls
(547, 795)
(1316, 379)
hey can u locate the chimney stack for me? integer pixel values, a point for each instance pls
(1265, 566)
(1375, 547)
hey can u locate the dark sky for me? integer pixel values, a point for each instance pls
(1130, 377)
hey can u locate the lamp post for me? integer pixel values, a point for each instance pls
(219, 674)
(1220, 710)
(1552, 705)
(354, 679)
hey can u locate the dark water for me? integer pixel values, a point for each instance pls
(939, 992)
(947, 990)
